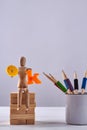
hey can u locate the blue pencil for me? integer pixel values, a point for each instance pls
(83, 87)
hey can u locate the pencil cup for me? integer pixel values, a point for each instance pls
(76, 109)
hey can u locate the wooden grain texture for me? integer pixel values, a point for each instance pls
(13, 98)
(22, 106)
(22, 110)
(18, 122)
(30, 122)
(22, 117)
(22, 122)
(14, 95)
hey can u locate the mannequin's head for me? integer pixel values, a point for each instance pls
(22, 61)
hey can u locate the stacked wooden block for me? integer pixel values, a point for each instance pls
(21, 117)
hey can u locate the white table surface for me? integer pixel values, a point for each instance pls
(48, 118)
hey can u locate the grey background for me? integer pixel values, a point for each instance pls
(52, 34)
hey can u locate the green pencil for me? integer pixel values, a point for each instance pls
(57, 83)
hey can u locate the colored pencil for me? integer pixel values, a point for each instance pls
(83, 87)
(56, 82)
(67, 82)
(76, 86)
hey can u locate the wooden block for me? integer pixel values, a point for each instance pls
(14, 106)
(22, 122)
(22, 117)
(31, 110)
(22, 111)
(13, 98)
(14, 95)
(15, 111)
(17, 122)
(30, 122)
(14, 101)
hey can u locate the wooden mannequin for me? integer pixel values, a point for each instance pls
(22, 84)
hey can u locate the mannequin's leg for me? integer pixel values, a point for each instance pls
(19, 99)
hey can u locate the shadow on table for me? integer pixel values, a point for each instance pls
(49, 124)
(38, 124)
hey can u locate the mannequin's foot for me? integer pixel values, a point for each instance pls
(18, 108)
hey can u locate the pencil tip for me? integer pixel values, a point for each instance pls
(50, 74)
(86, 74)
(75, 75)
(62, 70)
(44, 73)
(74, 72)
(64, 75)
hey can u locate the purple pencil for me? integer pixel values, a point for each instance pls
(67, 82)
